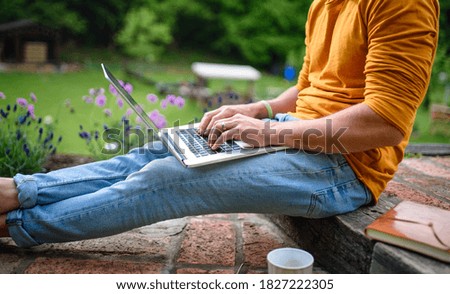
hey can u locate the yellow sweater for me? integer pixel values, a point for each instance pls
(377, 52)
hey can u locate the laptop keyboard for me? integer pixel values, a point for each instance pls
(199, 145)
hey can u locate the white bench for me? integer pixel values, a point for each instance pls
(205, 71)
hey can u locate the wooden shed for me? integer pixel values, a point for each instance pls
(25, 41)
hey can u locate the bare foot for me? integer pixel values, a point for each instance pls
(8, 195)
(3, 227)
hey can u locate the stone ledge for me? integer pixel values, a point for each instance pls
(388, 259)
(337, 243)
(428, 149)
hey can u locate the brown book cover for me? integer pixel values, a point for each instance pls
(417, 227)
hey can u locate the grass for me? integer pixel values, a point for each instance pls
(55, 90)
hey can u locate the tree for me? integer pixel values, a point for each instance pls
(103, 18)
(265, 32)
(46, 12)
(93, 23)
(144, 33)
(259, 32)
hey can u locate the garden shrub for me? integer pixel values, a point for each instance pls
(26, 141)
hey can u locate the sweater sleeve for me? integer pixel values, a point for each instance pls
(402, 40)
(303, 77)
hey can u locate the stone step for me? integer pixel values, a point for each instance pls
(337, 243)
(388, 259)
(429, 149)
(340, 246)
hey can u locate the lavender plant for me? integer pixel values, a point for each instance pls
(111, 136)
(26, 140)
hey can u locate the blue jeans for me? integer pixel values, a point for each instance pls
(148, 185)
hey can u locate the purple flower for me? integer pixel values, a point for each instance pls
(154, 115)
(128, 87)
(171, 99)
(49, 137)
(164, 103)
(33, 97)
(112, 90)
(107, 112)
(152, 98)
(161, 122)
(88, 100)
(31, 111)
(139, 108)
(119, 102)
(179, 101)
(26, 149)
(128, 113)
(22, 102)
(158, 119)
(23, 119)
(2, 95)
(100, 100)
(92, 92)
(84, 135)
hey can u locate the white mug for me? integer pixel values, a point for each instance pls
(289, 261)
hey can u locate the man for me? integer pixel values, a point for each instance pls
(366, 70)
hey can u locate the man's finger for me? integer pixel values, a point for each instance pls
(206, 121)
(224, 137)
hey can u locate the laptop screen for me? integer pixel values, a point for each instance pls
(133, 104)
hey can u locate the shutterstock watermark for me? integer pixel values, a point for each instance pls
(331, 139)
(314, 141)
(119, 141)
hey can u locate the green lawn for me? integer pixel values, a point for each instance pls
(55, 92)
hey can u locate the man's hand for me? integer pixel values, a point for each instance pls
(211, 118)
(252, 131)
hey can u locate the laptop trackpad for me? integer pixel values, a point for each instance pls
(243, 145)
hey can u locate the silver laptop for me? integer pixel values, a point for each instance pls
(191, 149)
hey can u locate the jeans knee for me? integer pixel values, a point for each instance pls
(339, 199)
